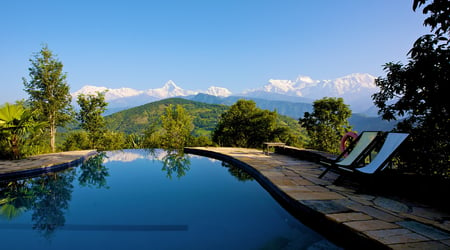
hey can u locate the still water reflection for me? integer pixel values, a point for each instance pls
(147, 199)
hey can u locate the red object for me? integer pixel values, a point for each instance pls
(345, 138)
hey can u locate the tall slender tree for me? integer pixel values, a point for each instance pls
(49, 92)
(177, 125)
(90, 116)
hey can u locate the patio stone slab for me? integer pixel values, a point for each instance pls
(434, 245)
(325, 206)
(294, 188)
(346, 217)
(392, 205)
(396, 236)
(429, 231)
(301, 181)
(308, 195)
(272, 173)
(369, 225)
(282, 181)
(376, 213)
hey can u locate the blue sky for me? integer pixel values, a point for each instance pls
(237, 44)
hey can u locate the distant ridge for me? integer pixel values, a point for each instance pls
(291, 109)
(356, 89)
(296, 110)
(169, 89)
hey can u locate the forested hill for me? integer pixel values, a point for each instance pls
(206, 116)
(137, 119)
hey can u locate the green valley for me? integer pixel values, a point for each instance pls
(140, 119)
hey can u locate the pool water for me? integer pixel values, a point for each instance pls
(142, 199)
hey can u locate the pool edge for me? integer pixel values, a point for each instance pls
(336, 232)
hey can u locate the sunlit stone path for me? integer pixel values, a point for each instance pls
(344, 213)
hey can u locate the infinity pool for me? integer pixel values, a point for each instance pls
(141, 199)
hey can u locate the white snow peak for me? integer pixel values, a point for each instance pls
(356, 89)
(169, 89)
(111, 94)
(218, 91)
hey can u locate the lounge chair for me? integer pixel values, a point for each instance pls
(359, 150)
(383, 157)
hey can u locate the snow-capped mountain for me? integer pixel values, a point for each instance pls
(122, 98)
(356, 89)
(169, 89)
(111, 94)
(218, 91)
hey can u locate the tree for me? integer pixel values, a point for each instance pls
(439, 19)
(152, 137)
(76, 140)
(113, 140)
(418, 94)
(91, 116)
(177, 125)
(245, 125)
(327, 123)
(49, 92)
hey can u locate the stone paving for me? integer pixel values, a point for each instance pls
(349, 216)
(40, 163)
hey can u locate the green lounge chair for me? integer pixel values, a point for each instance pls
(359, 150)
(383, 157)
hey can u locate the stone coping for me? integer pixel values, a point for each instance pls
(42, 163)
(346, 214)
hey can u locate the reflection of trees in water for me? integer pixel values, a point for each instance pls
(52, 193)
(93, 172)
(16, 197)
(237, 172)
(48, 196)
(176, 162)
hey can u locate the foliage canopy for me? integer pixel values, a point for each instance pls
(418, 92)
(91, 117)
(177, 125)
(327, 123)
(49, 92)
(245, 125)
(18, 131)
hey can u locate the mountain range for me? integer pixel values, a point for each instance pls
(295, 110)
(288, 97)
(356, 89)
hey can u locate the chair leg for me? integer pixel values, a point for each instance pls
(324, 172)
